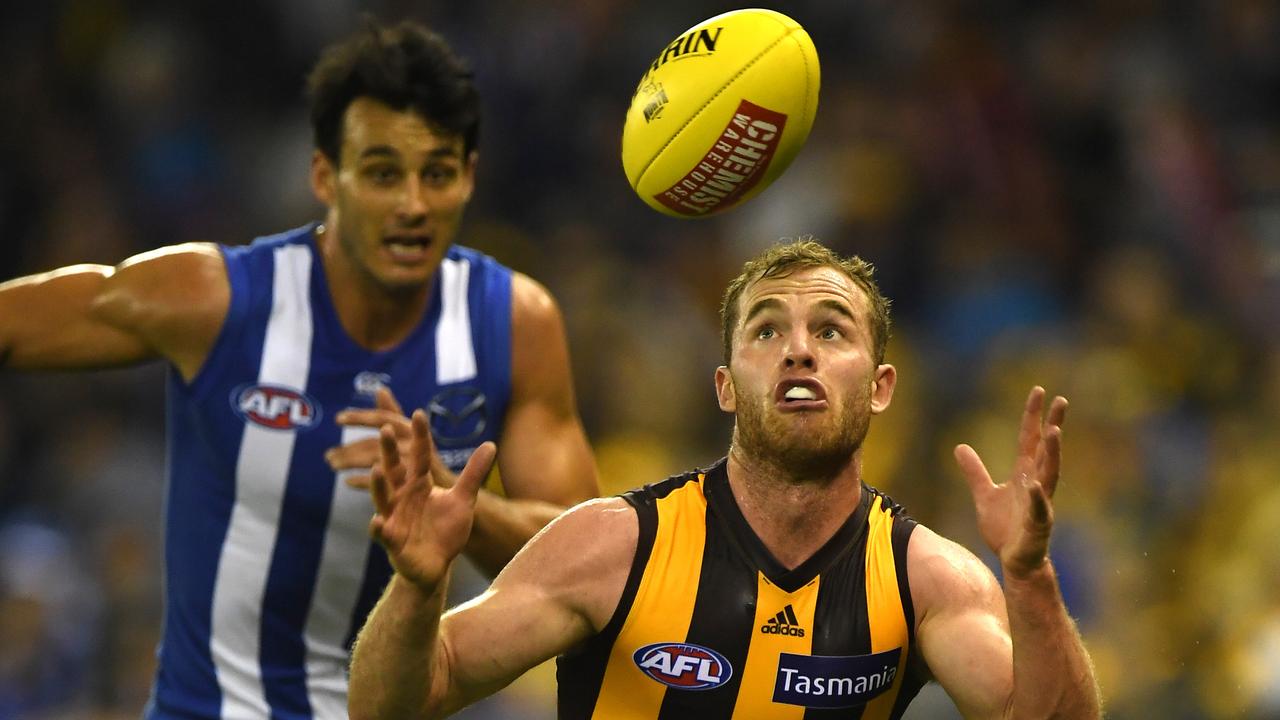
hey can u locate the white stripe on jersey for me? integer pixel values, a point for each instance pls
(338, 581)
(261, 473)
(455, 358)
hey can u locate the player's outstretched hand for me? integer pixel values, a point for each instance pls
(423, 525)
(1016, 518)
(362, 454)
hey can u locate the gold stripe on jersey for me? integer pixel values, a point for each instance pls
(670, 582)
(886, 618)
(760, 673)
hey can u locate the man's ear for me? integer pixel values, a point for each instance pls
(324, 178)
(724, 390)
(882, 385)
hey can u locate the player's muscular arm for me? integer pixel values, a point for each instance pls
(996, 657)
(166, 303)
(544, 457)
(559, 590)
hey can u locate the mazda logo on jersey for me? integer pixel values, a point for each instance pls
(459, 415)
(683, 666)
(275, 407)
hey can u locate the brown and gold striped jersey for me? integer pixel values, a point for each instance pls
(711, 626)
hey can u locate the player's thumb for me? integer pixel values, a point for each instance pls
(477, 469)
(974, 471)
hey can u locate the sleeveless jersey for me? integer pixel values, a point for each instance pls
(269, 569)
(710, 626)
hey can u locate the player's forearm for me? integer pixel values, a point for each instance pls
(396, 658)
(503, 526)
(1052, 674)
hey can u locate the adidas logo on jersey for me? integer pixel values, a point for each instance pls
(784, 623)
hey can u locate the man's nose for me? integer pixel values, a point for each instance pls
(413, 206)
(799, 353)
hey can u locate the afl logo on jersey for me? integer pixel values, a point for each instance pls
(459, 415)
(683, 666)
(275, 407)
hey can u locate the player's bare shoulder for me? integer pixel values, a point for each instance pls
(533, 307)
(947, 577)
(539, 347)
(584, 556)
(175, 298)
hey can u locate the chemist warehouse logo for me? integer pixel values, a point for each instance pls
(683, 666)
(275, 407)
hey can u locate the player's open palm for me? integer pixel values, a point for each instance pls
(1016, 517)
(422, 525)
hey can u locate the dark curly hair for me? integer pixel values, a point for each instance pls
(408, 67)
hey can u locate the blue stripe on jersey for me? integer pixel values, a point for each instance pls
(311, 606)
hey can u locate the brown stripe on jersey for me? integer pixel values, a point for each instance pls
(885, 614)
(841, 613)
(722, 614)
(580, 673)
(760, 671)
(663, 607)
(917, 671)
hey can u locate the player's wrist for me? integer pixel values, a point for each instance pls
(419, 589)
(1028, 573)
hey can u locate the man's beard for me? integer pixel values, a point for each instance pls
(816, 452)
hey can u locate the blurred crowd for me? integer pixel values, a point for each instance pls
(1084, 195)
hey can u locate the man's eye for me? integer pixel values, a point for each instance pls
(439, 175)
(830, 334)
(384, 175)
(765, 333)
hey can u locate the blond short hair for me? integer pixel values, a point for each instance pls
(787, 257)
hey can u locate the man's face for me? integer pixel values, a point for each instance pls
(803, 381)
(398, 193)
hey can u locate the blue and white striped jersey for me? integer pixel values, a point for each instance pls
(269, 570)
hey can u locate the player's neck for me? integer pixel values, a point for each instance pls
(372, 316)
(793, 517)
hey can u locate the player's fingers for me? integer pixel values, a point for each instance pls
(389, 457)
(423, 448)
(477, 469)
(384, 400)
(1029, 429)
(974, 471)
(379, 531)
(380, 490)
(358, 454)
(1058, 411)
(1051, 459)
(364, 417)
(359, 481)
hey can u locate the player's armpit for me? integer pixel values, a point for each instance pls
(558, 591)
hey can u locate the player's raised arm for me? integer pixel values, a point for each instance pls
(1016, 654)
(165, 303)
(555, 593)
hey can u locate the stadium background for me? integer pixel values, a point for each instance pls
(1080, 194)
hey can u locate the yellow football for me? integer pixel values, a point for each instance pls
(721, 112)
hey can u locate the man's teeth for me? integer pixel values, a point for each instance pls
(800, 393)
